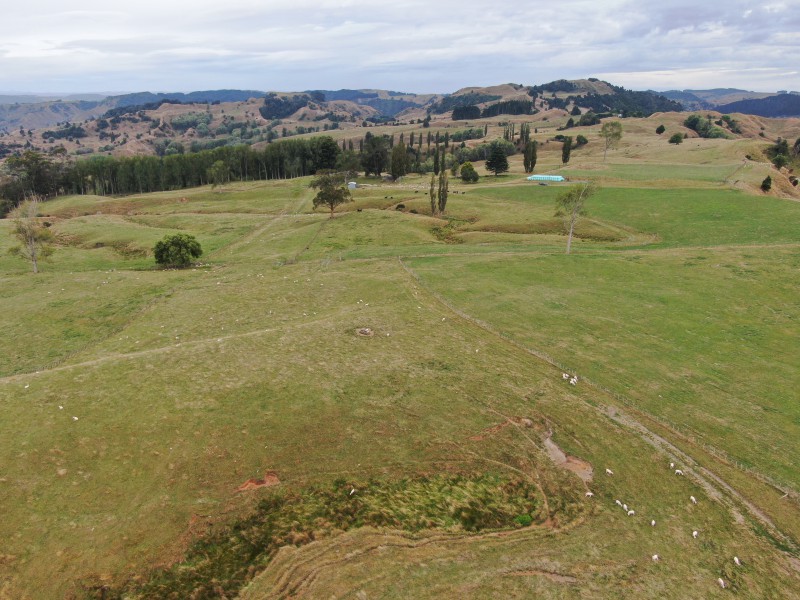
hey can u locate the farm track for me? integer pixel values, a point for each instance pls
(159, 350)
(714, 485)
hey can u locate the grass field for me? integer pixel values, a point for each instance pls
(136, 401)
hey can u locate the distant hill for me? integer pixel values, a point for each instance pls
(187, 98)
(711, 99)
(584, 94)
(782, 105)
(37, 98)
(387, 103)
(42, 112)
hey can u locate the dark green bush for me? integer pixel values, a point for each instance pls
(177, 251)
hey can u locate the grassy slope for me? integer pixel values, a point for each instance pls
(185, 384)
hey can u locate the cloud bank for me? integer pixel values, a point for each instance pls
(404, 45)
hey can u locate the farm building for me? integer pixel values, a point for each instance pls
(545, 178)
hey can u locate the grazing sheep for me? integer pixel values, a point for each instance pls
(609, 472)
(678, 472)
(625, 507)
(565, 376)
(618, 502)
(672, 465)
(353, 491)
(721, 583)
(631, 513)
(573, 381)
(737, 561)
(653, 523)
(695, 533)
(693, 499)
(589, 495)
(655, 557)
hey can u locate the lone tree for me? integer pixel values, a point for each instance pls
(177, 251)
(676, 138)
(332, 189)
(611, 132)
(33, 235)
(569, 206)
(529, 156)
(660, 129)
(498, 161)
(766, 185)
(566, 149)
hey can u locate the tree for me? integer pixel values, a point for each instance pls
(611, 132)
(332, 188)
(529, 156)
(580, 140)
(432, 194)
(570, 206)
(566, 149)
(219, 173)
(660, 129)
(766, 185)
(375, 155)
(34, 236)
(399, 166)
(468, 173)
(348, 163)
(498, 161)
(444, 188)
(677, 138)
(177, 251)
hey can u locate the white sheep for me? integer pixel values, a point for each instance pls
(695, 533)
(678, 472)
(618, 503)
(721, 583)
(573, 381)
(352, 491)
(625, 507)
(565, 376)
(631, 512)
(737, 561)
(609, 472)
(589, 495)
(653, 523)
(693, 499)
(655, 557)
(672, 465)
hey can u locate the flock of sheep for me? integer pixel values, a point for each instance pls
(573, 380)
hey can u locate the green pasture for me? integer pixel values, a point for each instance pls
(385, 346)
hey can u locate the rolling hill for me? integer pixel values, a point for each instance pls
(374, 405)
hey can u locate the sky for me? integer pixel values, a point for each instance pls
(433, 46)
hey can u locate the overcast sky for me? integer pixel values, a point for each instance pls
(408, 45)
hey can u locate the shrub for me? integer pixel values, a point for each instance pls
(177, 251)
(468, 173)
(766, 185)
(676, 138)
(660, 129)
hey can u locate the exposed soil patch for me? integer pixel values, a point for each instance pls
(571, 463)
(365, 332)
(270, 479)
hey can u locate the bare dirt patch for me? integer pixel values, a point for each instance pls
(365, 332)
(571, 463)
(270, 479)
